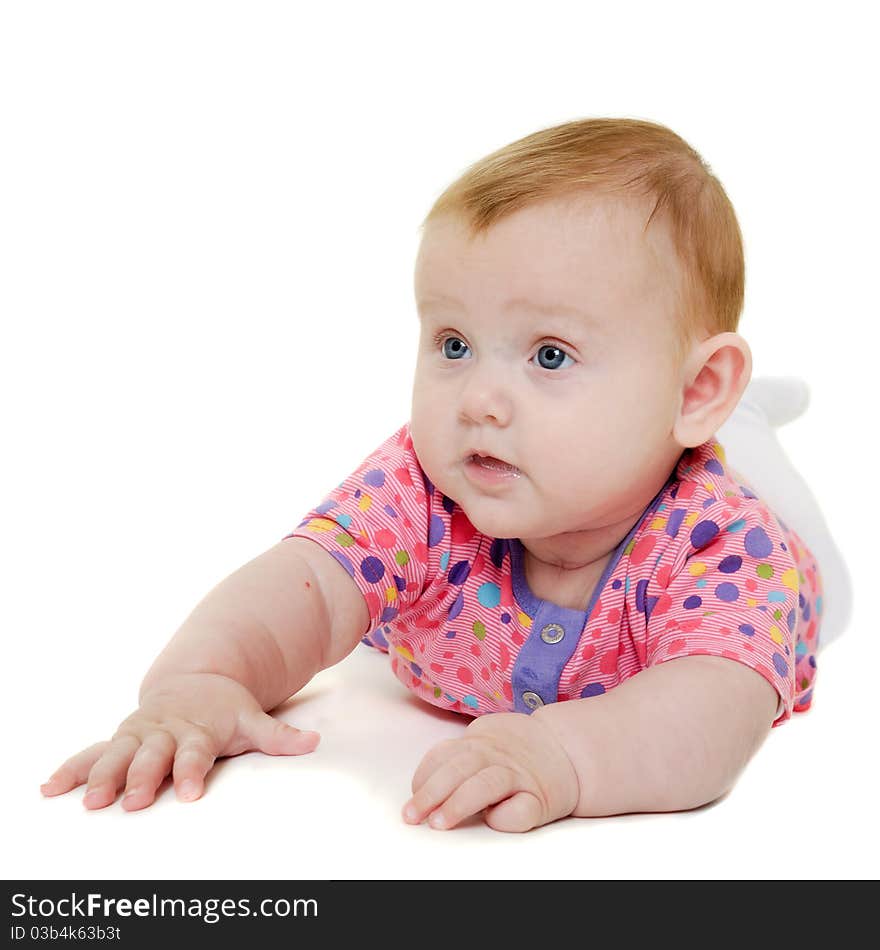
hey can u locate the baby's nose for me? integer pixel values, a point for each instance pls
(486, 397)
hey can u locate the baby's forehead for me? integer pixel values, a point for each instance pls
(601, 246)
(574, 221)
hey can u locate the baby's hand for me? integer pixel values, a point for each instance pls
(183, 724)
(507, 763)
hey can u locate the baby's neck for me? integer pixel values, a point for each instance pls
(565, 569)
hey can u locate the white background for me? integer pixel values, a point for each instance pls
(208, 223)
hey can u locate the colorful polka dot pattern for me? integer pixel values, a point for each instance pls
(709, 571)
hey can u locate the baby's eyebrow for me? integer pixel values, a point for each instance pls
(517, 303)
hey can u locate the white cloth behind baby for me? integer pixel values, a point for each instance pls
(753, 449)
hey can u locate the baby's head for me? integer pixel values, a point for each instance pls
(579, 292)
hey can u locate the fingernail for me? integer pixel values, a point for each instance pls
(409, 813)
(188, 790)
(91, 797)
(437, 821)
(131, 793)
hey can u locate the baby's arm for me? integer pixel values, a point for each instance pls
(271, 625)
(258, 637)
(673, 737)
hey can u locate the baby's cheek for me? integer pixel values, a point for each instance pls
(428, 418)
(567, 474)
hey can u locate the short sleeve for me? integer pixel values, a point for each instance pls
(732, 592)
(376, 524)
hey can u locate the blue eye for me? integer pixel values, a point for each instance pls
(552, 357)
(453, 348)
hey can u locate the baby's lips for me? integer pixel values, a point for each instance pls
(492, 462)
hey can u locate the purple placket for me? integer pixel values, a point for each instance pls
(555, 631)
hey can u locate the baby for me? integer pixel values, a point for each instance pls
(555, 523)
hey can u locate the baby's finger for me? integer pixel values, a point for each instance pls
(107, 775)
(437, 756)
(520, 812)
(441, 783)
(488, 787)
(276, 737)
(74, 771)
(194, 759)
(151, 763)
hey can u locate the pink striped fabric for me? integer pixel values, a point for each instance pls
(708, 569)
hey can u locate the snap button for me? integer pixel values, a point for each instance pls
(552, 633)
(532, 700)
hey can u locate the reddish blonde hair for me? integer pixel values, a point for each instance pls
(621, 157)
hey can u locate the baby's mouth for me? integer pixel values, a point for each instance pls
(493, 464)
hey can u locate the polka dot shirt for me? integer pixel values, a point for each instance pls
(707, 569)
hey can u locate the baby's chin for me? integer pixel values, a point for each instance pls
(499, 516)
(495, 524)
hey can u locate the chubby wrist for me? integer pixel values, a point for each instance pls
(185, 680)
(561, 773)
(577, 730)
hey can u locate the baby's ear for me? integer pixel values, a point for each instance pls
(714, 376)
